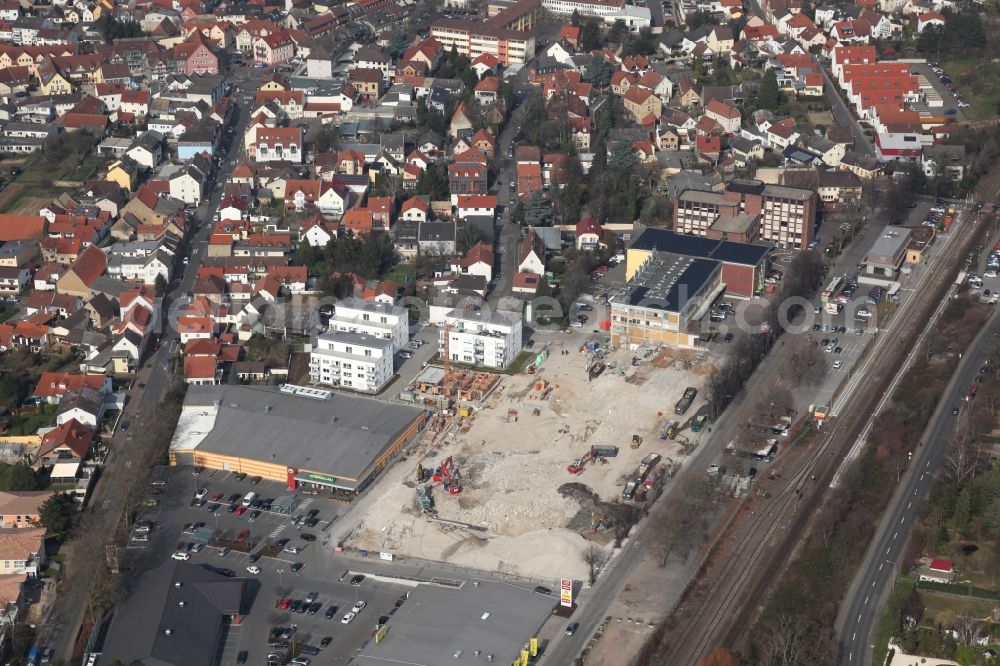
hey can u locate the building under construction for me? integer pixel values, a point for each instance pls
(433, 384)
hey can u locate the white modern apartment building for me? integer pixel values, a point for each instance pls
(492, 340)
(608, 11)
(351, 360)
(379, 320)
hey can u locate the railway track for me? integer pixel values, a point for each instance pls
(718, 612)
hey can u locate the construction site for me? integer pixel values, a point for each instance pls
(522, 473)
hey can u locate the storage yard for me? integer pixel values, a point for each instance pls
(516, 506)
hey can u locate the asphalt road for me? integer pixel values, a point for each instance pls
(860, 612)
(508, 233)
(149, 387)
(844, 117)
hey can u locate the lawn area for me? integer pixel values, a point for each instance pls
(942, 608)
(402, 273)
(979, 82)
(38, 170)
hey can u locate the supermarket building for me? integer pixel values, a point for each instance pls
(301, 436)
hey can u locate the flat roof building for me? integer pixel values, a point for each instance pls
(351, 360)
(477, 623)
(886, 256)
(665, 295)
(743, 264)
(297, 435)
(785, 216)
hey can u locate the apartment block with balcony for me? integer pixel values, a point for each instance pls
(481, 338)
(351, 360)
(379, 320)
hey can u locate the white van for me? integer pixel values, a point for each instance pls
(249, 498)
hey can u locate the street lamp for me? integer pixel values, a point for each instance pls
(280, 579)
(216, 514)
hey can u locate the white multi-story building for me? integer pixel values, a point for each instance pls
(492, 340)
(351, 360)
(379, 320)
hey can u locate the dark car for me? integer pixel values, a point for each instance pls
(212, 508)
(281, 543)
(240, 476)
(728, 338)
(253, 558)
(540, 589)
(314, 607)
(326, 641)
(357, 579)
(330, 612)
(233, 498)
(296, 567)
(571, 628)
(254, 515)
(241, 657)
(752, 472)
(306, 536)
(954, 411)
(311, 522)
(254, 480)
(838, 350)
(124, 426)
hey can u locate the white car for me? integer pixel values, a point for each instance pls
(254, 569)
(358, 606)
(183, 557)
(837, 365)
(990, 273)
(348, 618)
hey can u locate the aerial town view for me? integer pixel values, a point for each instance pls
(531, 332)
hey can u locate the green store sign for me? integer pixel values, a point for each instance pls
(318, 478)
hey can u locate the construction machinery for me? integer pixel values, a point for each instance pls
(424, 498)
(449, 476)
(576, 467)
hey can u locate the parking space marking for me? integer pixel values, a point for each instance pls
(277, 530)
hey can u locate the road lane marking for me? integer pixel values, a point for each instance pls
(867, 598)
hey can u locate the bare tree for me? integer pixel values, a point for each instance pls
(593, 557)
(962, 457)
(791, 641)
(968, 630)
(805, 362)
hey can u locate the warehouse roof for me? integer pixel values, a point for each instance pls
(329, 432)
(439, 625)
(749, 254)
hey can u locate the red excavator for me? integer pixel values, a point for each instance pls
(449, 475)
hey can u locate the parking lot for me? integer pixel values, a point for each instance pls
(950, 105)
(176, 509)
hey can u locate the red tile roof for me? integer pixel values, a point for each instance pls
(89, 265)
(21, 227)
(52, 384)
(72, 434)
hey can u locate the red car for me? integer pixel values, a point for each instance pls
(285, 603)
(973, 388)
(240, 510)
(216, 497)
(243, 535)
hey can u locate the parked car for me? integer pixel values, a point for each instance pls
(181, 556)
(348, 618)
